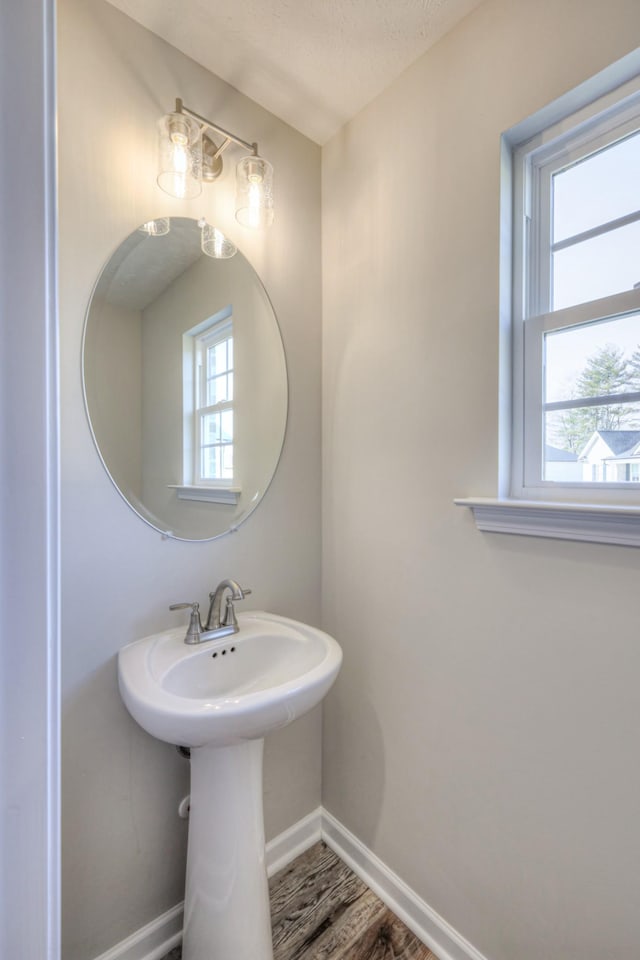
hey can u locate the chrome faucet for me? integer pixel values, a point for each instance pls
(215, 603)
(216, 626)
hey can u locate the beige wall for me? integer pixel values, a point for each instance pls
(482, 736)
(112, 369)
(123, 844)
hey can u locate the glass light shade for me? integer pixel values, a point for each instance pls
(180, 156)
(215, 244)
(156, 228)
(254, 192)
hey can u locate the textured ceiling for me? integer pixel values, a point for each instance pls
(313, 63)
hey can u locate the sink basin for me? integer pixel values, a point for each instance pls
(225, 691)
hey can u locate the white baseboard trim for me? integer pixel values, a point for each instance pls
(157, 938)
(151, 942)
(288, 845)
(417, 915)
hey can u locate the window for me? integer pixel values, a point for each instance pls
(213, 419)
(576, 306)
(208, 397)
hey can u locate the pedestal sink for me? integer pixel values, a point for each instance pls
(221, 697)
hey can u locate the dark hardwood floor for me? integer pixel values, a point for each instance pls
(320, 910)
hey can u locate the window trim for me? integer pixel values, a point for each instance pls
(218, 332)
(533, 163)
(191, 488)
(206, 494)
(590, 521)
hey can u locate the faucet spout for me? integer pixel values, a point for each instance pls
(214, 618)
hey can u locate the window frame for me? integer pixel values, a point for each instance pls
(211, 491)
(218, 332)
(533, 161)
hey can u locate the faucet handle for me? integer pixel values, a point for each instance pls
(195, 624)
(195, 606)
(229, 619)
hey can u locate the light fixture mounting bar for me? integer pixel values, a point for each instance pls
(228, 137)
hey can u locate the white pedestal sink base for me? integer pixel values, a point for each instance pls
(227, 911)
(221, 695)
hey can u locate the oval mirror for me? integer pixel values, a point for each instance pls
(185, 382)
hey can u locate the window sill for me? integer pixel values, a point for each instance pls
(207, 494)
(594, 523)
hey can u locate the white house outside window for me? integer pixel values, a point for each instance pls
(576, 226)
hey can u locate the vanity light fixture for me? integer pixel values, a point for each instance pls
(156, 228)
(189, 156)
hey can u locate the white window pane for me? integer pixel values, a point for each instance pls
(220, 357)
(598, 189)
(607, 264)
(217, 358)
(230, 353)
(592, 360)
(592, 444)
(211, 428)
(227, 462)
(211, 463)
(227, 426)
(211, 361)
(230, 386)
(218, 390)
(222, 389)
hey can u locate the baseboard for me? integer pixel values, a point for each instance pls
(288, 845)
(151, 942)
(417, 915)
(157, 938)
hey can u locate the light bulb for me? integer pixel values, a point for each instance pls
(254, 192)
(180, 160)
(255, 202)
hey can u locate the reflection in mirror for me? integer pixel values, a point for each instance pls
(185, 382)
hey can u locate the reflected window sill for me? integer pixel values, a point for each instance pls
(207, 494)
(593, 523)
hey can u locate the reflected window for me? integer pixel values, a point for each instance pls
(209, 402)
(214, 410)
